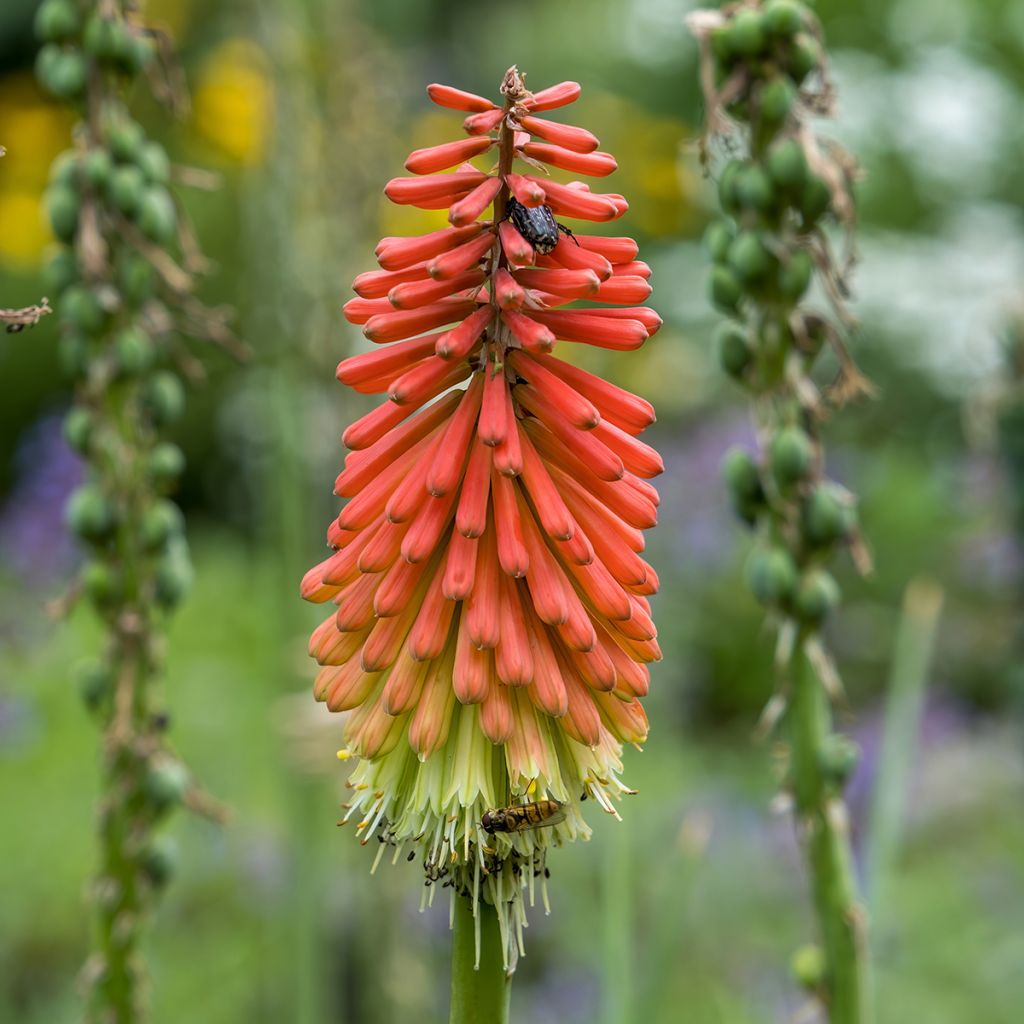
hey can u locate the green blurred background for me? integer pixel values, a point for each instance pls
(689, 910)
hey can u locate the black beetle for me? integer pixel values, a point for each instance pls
(536, 224)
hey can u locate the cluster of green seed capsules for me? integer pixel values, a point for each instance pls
(769, 77)
(112, 212)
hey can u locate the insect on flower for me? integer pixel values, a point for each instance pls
(537, 225)
(520, 817)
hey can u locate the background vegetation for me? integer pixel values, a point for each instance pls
(306, 107)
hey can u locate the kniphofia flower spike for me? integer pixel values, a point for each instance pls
(491, 628)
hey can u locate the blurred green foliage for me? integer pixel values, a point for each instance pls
(306, 108)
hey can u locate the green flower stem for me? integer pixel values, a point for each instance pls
(616, 904)
(822, 822)
(480, 995)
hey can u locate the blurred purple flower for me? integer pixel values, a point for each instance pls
(34, 545)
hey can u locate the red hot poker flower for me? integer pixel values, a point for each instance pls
(492, 629)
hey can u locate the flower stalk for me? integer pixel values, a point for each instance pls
(481, 986)
(765, 78)
(123, 299)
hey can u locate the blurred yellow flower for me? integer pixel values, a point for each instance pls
(25, 233)
(33, 133)
(234, 101)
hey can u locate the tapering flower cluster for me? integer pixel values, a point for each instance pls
(124, 301)
(765, 78)
(492, 627)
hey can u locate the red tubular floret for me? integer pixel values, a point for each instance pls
(582, 326)
(461, 258)
(533, 336)
(404, 323)
(457, 99)
(566, 135)
(397, 253)
(614, 250)
(480, 124)
(471, 206)
(517, 250)
(414, 294)
(596, 164)
(553, 96)
(448, 154)
(415, 191)
(529, 192)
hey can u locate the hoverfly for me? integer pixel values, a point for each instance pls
(537, 225)
(520, 817)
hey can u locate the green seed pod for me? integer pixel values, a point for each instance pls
(174, 577)
(791, 456)
(754, 189)
(795, 277)
(826, 516)
(95, 683)
(743, 479)
(157, 217)
(100, 583)
(79, 425)
(166, 783)
(746, 34)
(61, 72)
(90, 514)
(717, 237)
(133, 351)
(165, 464)
(838, 759)
(772, 575)
(155, 164)
(61, 272)
(721, 46)
(80, 310)
(787, 166)
(726, 291)
(127, 186)
(65, 169)
(122, 50)
(783, 18)
(97, 168)
(57, 20)
(158, 860)
(163, 397)
(135, 276)
(749, 258)
(776, 100)
(816, 596)
(100, 37)
(727, 194)
(63, 205)
(734, 352)
(808, 966)
(804, 56)
(73, 354)
(161, 521)
(815, 199)
(141, 52)
(126, 139)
